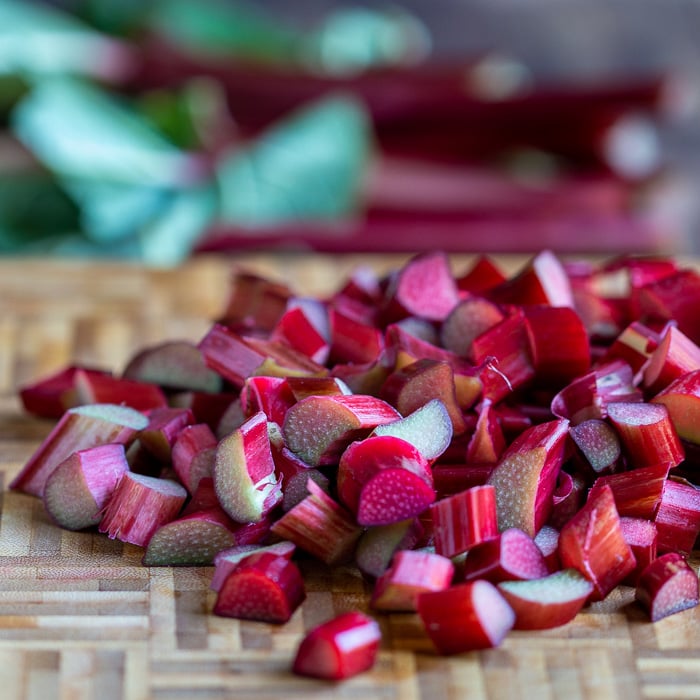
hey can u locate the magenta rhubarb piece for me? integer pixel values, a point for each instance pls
(593, 543)
(193, 454)
(547, 540)
(226, 560)
(482, 274)
(305, 326)
(378, 545)
(642, 536)
(464, 520)
(94, 387)
(339, 648)
(487, 442)
(353, 340)
(411, 572)
(139, 506)
(598, 443)
(265, 587)
(547, 602)
(271, 395)
(319, 428)
(668, 585)
(675, 356)
(164, 425)
(682, 399)
(468, 319)
(465, 617)
(78, 489)
(678, 517)
(526, 476)
(78, 429)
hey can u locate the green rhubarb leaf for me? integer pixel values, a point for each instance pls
(218, 28)
(39, 40)
(80, 131)
(309, 167)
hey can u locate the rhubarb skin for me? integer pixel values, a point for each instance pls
(465, 617)
(339, 648)
(551, 601)
(678, 517)
(264, 587)
(525, 478)
(411, 572)
(682, 399)
(78, 429)
(668, 585)
(593, 543)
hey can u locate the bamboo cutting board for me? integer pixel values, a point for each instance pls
(81, 618)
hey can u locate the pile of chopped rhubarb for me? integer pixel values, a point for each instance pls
(492, 452)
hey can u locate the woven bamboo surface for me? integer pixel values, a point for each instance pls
(80, 617)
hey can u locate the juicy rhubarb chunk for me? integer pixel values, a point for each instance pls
(682, 399)
(470, 318)
(319, 428)
(265, 587)
(193, 454)
(164, 425)
(510, 556)
(320, 526)
(592, 542)
(464, 520)
(598, 443)
(94, 387)
(244, 472)
(547, 540)
(139, 506)
(339, 648)
(78, 489)
(78, 429)
(305, 326)
(675, 356)
(647, 433)
(480, 276)
(487, 442)
(525, 478)
(226, 560)
(547, 602)
(466, 617)
(668, 585)
(271, 395)
(384, 479)
(378, 545)
(641, 535)
(634, 344)
(411, 572)
(354, 340)
(678, 517)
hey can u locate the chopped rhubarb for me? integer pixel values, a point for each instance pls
(487, 442)
(339, 648)
(271, 395)
(193, 454)
(306, 327)
(78, 489)
(264, 586)
(598, 443)
(139, 506)
(377, 545)
(78, 429)
(464, 520)
(164, 425)
(411, 572)
(353, 340)
(467, 320)
(225, 560)
(547, 539)
(675, 356)
(678, 517)
(668, 585)
(547, 602)
(682, 399)
(95, 387)
(465, 617)
(641, 535)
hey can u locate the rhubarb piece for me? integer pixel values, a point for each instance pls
(510, 556)
(319, 428)
(193, 454)
(634, 344)
(164, 425)
(428, 429)
(641, 535)
(320, 526)
(206, 408)
(411, 572)
(675, 356)
(547, 602)
(504, 352)
(305, 326)
(647, 434)
(449, 479)
(191, 540)
(302, 387)
(568, 497)
(94, 387)
(682, 399)
(558, 343)
(637, 492)
(466, 617)
(464, 520)
(294, 485)
(78, 488)
(467, 320)
(414, 385)
(547, 539)
(174, 365)
(78, 429)
(542, 280)
(354, 340)
(482, 275)
(339, 648)
(592, 542)
(673, 297)
(487, 442)
(424, 286)
(377, 545)
(678, 517)
(225, 560)
(271, 395)
(598, 443)
(265, 587)
(254, 302)
(52, 396)
(525, 478)
(139, 506)
(668, 585)
(244, 472)
(384, 479)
